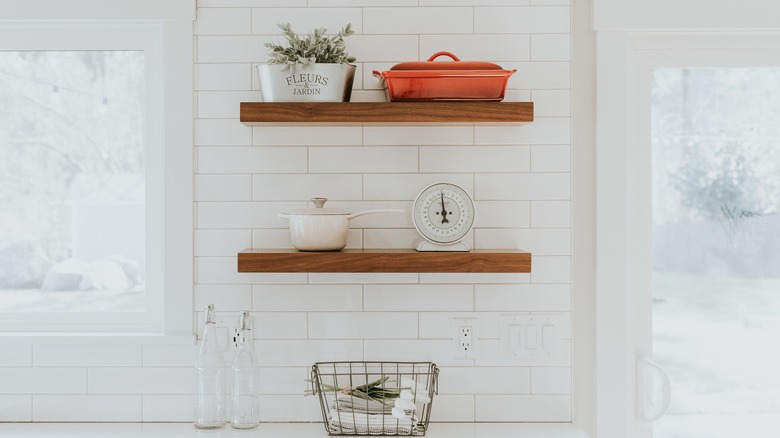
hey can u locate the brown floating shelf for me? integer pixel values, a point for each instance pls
(387, 112)
(384, 260)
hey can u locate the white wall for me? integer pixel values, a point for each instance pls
(519, 176)
(685, 14)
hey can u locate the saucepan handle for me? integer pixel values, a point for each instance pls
(385, 210)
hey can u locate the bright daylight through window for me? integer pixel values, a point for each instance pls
(72, 181)
(716, 249)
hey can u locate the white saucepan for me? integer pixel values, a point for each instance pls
(322, 229)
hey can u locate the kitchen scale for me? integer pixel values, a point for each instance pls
(443, 214)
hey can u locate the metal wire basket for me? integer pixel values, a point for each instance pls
(375, 398)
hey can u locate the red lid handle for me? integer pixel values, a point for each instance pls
(437, 54)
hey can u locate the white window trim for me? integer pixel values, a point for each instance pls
(583, 216)
(174, 17)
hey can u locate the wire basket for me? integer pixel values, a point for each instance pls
(375, 398)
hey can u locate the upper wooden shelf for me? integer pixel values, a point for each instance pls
(387, 112)
(384, 260)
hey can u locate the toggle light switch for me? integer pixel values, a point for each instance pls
(549, 333)
(531, 337)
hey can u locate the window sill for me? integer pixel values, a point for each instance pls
(72, 338)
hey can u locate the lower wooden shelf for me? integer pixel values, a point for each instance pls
(384, 260)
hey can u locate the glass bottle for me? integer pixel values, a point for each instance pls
(245, 406)
(209, 378)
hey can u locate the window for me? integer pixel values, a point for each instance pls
(95, 196)
(72, 181)
(716, 202)
(689, 156)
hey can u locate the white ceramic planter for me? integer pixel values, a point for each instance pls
(310, 83)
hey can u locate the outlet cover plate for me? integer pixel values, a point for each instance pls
(459, 351)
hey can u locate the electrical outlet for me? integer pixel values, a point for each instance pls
(236, 338)
(465, 336)
(227, 331)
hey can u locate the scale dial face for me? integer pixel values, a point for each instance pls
(443, 213)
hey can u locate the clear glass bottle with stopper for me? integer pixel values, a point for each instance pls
(246, 374)
(245, 406)
(210, 378)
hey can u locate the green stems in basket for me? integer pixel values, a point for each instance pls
(374, 391)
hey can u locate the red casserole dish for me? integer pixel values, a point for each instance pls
(455, 80)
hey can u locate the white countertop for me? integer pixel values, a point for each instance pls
(274, 430)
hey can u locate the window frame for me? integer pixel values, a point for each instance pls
(163, 29)
(623, 293)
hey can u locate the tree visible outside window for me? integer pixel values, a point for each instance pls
(72, 181)
(716, 248)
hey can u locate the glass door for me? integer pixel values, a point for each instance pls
(715, 283)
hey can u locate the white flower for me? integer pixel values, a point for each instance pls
(405, 404)
(409, 383)
(400, 414)
(417, 392)
(422, 398)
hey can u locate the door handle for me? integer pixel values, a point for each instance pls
(648, 408)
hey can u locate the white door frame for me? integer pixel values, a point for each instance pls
(623, 294)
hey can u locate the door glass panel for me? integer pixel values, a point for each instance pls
(72, 181)
(716, 249)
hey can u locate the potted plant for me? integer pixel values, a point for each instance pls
(314, 68)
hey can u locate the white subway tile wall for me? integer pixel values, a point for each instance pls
(159, 408)
(16, 356)
(87, 355)
(87, 408)
(518, 174)
(16, 407)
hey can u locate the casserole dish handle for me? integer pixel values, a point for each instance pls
(380, 74)
(437, 54)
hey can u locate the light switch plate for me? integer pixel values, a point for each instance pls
(531, 335)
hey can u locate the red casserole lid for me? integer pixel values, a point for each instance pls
(457, 64)
(452, 80)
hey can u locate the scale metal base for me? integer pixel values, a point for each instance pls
(428, 246)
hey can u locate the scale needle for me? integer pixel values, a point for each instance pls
(443, 211)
